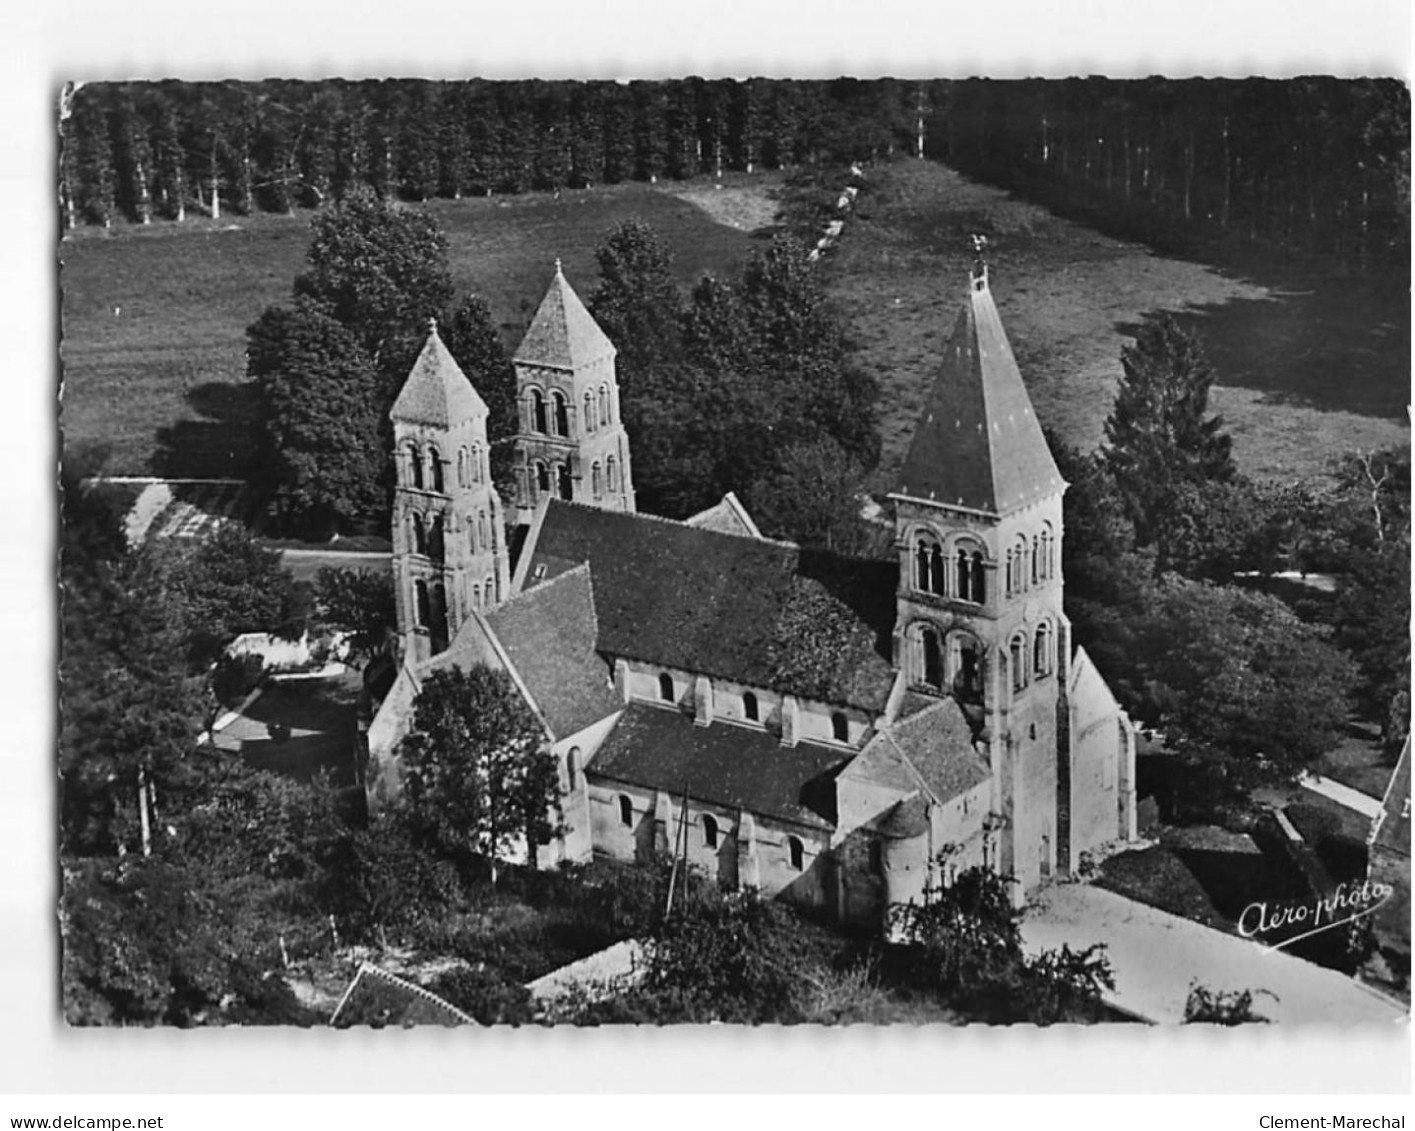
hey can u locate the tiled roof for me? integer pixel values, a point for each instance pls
(436, 392)
(732, 766)
(378, 998)
(563, 335)
(978, 444)
(548, 634)
(763, 613)
(932, 749)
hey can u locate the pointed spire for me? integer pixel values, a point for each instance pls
(436, 392)
(563, 334)
(979, 444)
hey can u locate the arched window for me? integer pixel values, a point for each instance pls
(969, 571)
(492, 591)
(932, 657)
(471, 536)
(424, 603)
(476, 596)
(572, 766)
(1036, 558)
(1041, 651)
(434, 465)
(598, 485)
(474, 471)
(665, 687)
(538, 416)
(562, 413)
(419, 535)
(965, 668)
(1018, 655)
(797, 851)
(481, 528)
(611, 468)
(415, 466)
(463, 476)
(750, 710)
(436, 546)
(928, 566)
(709, 831)
(562, 477)
(1047, 567)
(604, 404)
(542, 478)
(839, 727)
(589, 411)
(626, 812)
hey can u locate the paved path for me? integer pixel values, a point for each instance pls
(1364, 804)
(1156, 957)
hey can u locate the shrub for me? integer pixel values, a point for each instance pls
(1219, 1007)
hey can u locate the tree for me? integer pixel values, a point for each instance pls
(378, 270)
(1243, 690)
(471, 337)
(478, 776)
(225, 585)
(813, 496)
(359, 602)
(1159, 435)
(321, 414)
(637, 303)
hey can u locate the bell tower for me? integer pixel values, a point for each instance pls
(570, 442)
(449, 546)
(979, 606)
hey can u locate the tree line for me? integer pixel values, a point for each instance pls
(1310, 165)
(168, 150)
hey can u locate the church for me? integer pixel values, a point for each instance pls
(842, 734)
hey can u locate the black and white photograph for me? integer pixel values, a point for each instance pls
(907, 549)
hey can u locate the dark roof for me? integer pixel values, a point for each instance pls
(1393, 832)
(978, 444)
(548, 634)
(436, 392)
(763, 613)
(378, 998)
(735, 767)
(563, 334)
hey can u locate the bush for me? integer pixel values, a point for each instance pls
(1219, 1007)
(235, 677)
(485, 993)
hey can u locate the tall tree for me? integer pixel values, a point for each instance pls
(637, 301)
(471, 337)
(1160, 435)
(478, 774)
(378, 270)
(321, 412)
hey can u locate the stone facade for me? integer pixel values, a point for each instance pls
(680, 692)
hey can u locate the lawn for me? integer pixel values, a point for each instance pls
(154, 318)
(322, 717)
(1070, 297)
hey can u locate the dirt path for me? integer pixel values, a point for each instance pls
(1070, 298)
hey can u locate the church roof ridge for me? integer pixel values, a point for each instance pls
(437, 392)
(683, 522)
(979, 445)
(563, 333)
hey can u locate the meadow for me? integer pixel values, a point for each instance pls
(154, 319)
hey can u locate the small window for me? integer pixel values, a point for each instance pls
(933, 657)
(415, 466)
(1019, 664)
(612, 473)
(434, 463)
(538, 414)
(840, 727)
(797, 851)
(604, 403)
(542, 478)
(626, 812)
(595, 480)
(562, 414)
(750, 709)
(419, 535)
(476, 458)
(424, 604)
(709, 831)
(562, 475)
(877, 858)
(589, 411)
(665, 688)
(572, 766)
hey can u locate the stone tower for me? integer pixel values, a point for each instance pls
(449, 546)
(978, 532)
(571, 442)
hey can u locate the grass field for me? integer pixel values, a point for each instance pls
(154, 319)
(1070, 297)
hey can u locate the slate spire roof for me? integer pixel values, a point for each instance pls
(436, 392)
(978, 444)
(563, 335)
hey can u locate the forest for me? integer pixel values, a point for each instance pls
(1310, 165)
